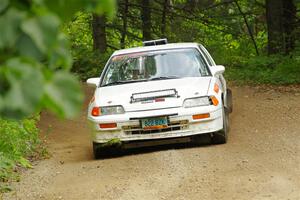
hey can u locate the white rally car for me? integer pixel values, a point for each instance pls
(159, 93)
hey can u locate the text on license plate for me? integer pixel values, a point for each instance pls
(155, 123)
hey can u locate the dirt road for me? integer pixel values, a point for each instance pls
(260, 161)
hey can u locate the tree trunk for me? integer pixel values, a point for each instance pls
(124, 16)
(99, 33)
(164, 19)
(289, 21)
(146, 19)
(281, 15)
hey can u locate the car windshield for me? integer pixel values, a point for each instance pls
(155, 65)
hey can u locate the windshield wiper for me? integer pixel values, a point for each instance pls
(163, 78)
(123, 82)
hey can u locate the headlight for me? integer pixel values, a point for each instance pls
(200, 101)
(107, 110)
(112, 110)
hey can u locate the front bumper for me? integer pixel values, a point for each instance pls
(180, 118)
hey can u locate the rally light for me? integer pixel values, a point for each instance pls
(201, 116)
(136, 97)
(108, 125)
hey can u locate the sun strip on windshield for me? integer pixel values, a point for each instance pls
(130, 55)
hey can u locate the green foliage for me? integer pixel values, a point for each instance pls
(19, 140)
(277, 69)
(63, 87)
(35, 57)
(89, 64)
(66, 9)
(226, 38)
(23, 94)
(35, 60)
(86, 62)
(218, 25)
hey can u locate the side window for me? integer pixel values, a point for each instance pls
(203, 68)
(207, 56)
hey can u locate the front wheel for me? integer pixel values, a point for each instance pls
(97, 150)
(229, 101)
(221, 136)
(103, 150)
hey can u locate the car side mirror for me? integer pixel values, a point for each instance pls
(93, 82)
(217, 70)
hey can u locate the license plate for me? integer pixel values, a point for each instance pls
(155, 123)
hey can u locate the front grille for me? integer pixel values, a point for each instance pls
(172, 126)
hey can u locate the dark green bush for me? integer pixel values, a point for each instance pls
(89, 64)
(277, 69)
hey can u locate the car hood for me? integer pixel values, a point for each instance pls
(121, 94)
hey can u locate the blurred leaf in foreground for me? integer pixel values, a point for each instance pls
(35, 58)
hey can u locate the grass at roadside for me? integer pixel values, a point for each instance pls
(19, 144)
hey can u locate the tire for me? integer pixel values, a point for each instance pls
(97, 150)
(221, 136)
(202, 139)
(102, 151)
(229, 105)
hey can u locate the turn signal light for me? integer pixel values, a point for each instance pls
(108, 125)
(96, 111)
(214, 100)
(216, 88)
(201, 116)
